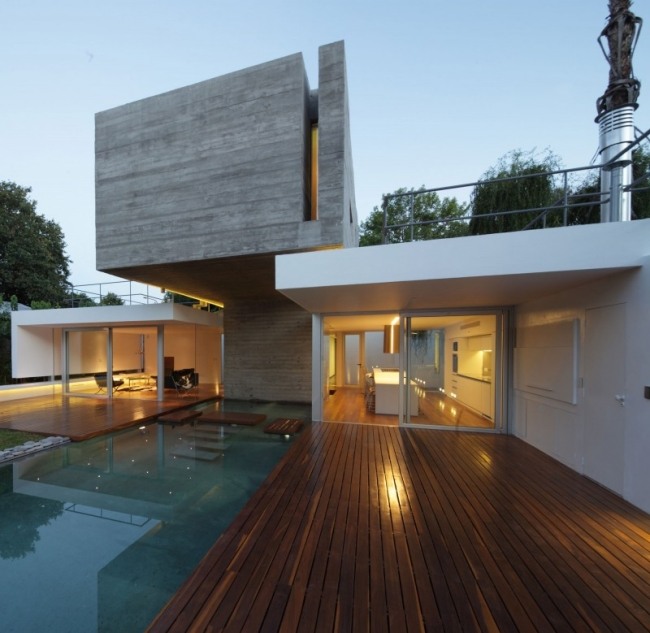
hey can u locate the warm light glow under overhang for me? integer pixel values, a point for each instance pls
(218, 304)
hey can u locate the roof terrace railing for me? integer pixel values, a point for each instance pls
(566, 208)
(123, 289)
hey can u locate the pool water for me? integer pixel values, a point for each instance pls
(98, 535)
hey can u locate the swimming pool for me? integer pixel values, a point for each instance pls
(98, 535)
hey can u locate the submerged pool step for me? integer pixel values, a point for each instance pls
(190, 452)
(233, 417)
(210, 446)
(212, 433)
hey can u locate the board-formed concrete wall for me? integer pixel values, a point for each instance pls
(205, 170)
(222, 168)
(267, 351)
(197, 189)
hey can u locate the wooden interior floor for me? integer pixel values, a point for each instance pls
(81, 418)
(375, 528)
(347, 404)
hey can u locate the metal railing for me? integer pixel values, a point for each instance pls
(567, 207)
(96, 293)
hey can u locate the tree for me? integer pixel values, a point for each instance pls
(22, 515)
(432, 218)
(176, 297)
(111, 299)
(40, 305)
(589, 191)
(79, 300)
(519, 194)
(641, 179)
(5, 340)
(33, 263)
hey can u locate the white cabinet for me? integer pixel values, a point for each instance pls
(476, 394)
(486, 400)
(471, 390)
(479, 343)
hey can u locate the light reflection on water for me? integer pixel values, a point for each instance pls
(97, 536)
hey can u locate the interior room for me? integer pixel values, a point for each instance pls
(450, 362)
(134, 352)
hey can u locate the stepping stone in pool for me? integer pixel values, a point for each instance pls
(179, 417)
(284, 426)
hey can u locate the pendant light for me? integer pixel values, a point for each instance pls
(391, 339)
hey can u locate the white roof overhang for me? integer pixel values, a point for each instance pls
(116, 316)
(478, 271)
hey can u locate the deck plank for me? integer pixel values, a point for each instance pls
(81, 418)
(375, 528)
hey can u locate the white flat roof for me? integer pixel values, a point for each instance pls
(484, 270)
(116, 316)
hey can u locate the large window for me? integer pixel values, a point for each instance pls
(92, 354)
(451, 370)
(446, 371)
(86, 361)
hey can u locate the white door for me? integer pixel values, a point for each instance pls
(604, 377)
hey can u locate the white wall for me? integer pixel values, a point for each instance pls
(32, 353)
(180, 344)
(126, 351)
(87, 352)
(562, 429)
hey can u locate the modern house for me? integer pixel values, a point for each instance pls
(239, 190)
(543, 333)
(200, 188)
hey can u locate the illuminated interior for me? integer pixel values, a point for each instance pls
(451, 365)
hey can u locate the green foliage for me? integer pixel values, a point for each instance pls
(587, 193)
(40, 305)
(5, 340)
(536, 193)
(111, 299)
(542, 193)
(21, 516)
(10, 438)
(5, 324)
(33, 263)
(641, 178)
(175, 297)
(79, 300)
(433, 218)
(5, 345)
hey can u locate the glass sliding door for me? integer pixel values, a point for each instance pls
(453, 364)
(85, 361)
(352, 354)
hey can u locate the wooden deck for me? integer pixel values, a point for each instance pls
(81, 418)
(347, 404)
(375, 528)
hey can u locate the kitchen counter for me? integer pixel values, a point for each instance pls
(386, 393)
